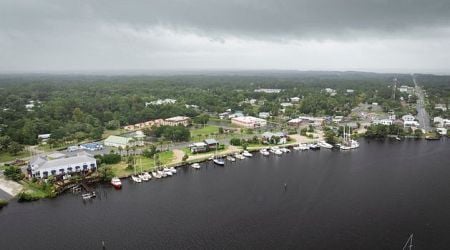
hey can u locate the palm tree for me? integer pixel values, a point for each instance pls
(120, 149)
(127, 148)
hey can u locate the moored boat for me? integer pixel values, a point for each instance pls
(219, 161)
(324, 144)
(247, 154)
(231, 158)
(117, 184)
(195, 165)
(136, 179)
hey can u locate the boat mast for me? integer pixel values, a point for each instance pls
(409, 243)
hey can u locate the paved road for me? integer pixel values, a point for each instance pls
(422, 114)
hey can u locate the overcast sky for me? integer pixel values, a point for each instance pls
(371, 35)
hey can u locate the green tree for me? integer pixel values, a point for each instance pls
(13, 173)
(105, 172)
(15, 148)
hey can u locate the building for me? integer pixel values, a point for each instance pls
(264, 115)
(295, 99)
(442, 131)
(408, 118)
(409, 124)
(161, 102)
(91, 146)
(441, 106)
(119, 141)
(350, 91)
(268, 91)
(42, 167)
(330, 91)
(269, 137)
(383, 122)
(177, 120)
(198, 147)
(249, 122)
(406, 89)
(44, 137)
(441, 122)
(337, 118)
(211, 143)
(286, 104)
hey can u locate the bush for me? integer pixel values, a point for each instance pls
(110, 158)
(25, 196)
(3, 203)
(13, 173)
(235, 141)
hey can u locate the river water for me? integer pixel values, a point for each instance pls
(370, 198)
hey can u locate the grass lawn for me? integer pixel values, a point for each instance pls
(36, 191)
(204, 132)
(6, 157)
(147, 164)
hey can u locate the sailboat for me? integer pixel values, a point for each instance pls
(135, 177)
(218, 161)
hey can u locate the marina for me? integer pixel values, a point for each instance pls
(370, 197)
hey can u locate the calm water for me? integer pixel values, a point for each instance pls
(371, 198)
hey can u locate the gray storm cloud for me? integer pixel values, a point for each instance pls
(51, 33)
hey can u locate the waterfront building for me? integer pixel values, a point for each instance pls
(42, 167)
(211, 143)
(249, 122)
(44, 137)
(269, 137)
(198, 147)
(441, 122)
(409, 124)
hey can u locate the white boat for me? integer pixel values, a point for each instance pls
(273, 149)
(219, 161)
(162, 173)
(264, 152)
(117, 184)
(87, 196)
(231, 158)
(156, 175)
(313, 146)
(141, 176)
(303, 146)
(278, 152)
(296, 147)
(195, 165)
(285, 150)
(343, 147)
(168, 172)
(354, 144)
(147, 176)
(173, 170)
(324, 144)
(136, 179)
(247, 154)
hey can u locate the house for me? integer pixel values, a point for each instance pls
(442, 131)
(383, 122)
(408, 118)
(350, 91)
(270, 138)
(119, 141)
(211, 143)
(441, 106)
(295, 122)
(268, 91)
(91, 146)
(286, 104)
(177, 120)
(249, 122)
(441, 122)
(330, 91)
(337, 118)
(44, 137)
(161, 102)
(295, 99)
(392, 117)
(409, 124)
(42, 167)
(264, 115)
(198, 147)
(56, 155)
(236, 114)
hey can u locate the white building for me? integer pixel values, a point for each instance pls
(383, 122)
(177, 120)
(249, 122)
(409, 124)
(295, 99)
(42, 167)
(408, 118)
(350, 91)
(264, 115)
(268, 91)
(161, 102)
(286, 104)
(441, 122)
(441, 106)
(119, 141)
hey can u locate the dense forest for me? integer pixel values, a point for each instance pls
(79, 107)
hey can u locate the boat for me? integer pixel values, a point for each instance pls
(247, 154)
(303, 146)
(324, 144)
(348, 143)
(173, 170)
(239, 156)
(168, 172)
(273, 149)
(162, 173)
(313, 146)
(142, 177)
(156, 175)
(146, 176)
(264, 152)
(219, 161)
(231, 158)
(87, 196)
(296, 147)
(278, 152)
(285, 150)
(195, 165)
(398, 138)
(354, 144)
(117, 184)
(136, 179)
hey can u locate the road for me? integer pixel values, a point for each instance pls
(422, 114)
